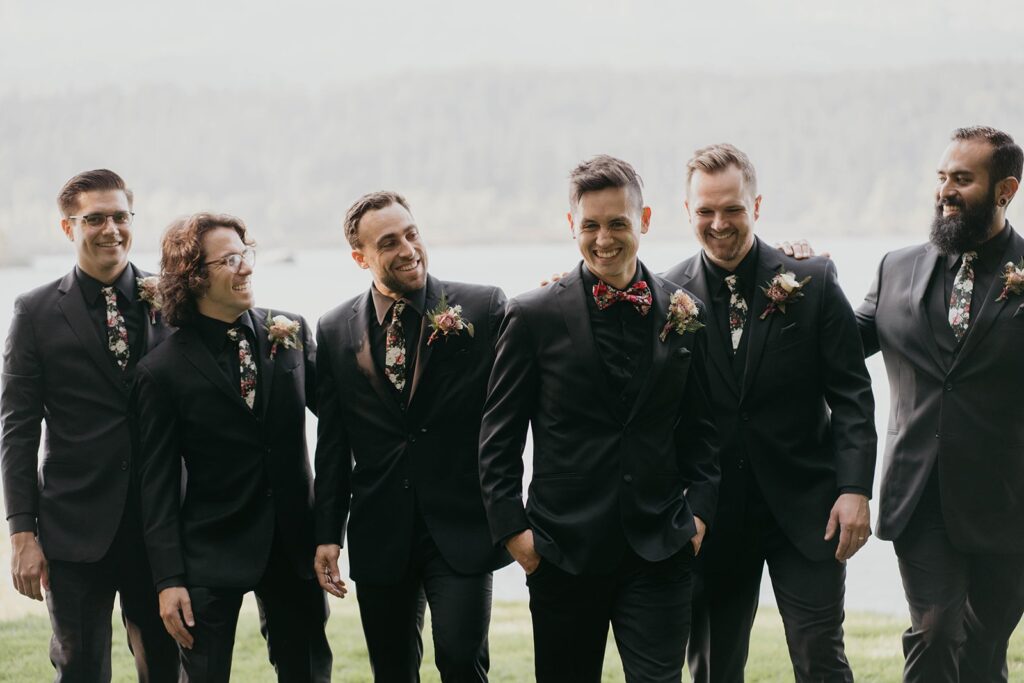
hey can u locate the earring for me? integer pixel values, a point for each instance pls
(1002, 202)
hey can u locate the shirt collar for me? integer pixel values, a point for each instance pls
(589, 279)
(214, 333)
(989, 252)
(124, 284)
(382, 303)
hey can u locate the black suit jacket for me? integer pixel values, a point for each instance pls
(379, 466)
(248, 472)
(967, 416)
(802, 418)
(603, 473)
(57, 368)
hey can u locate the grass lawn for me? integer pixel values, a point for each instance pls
(872, 644)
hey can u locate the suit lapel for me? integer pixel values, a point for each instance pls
(697, 283)
(924, 266)
(265, 363)
(571, 298)
(434, 293)
(661, 294)
(990, 308)
(72, 305)
(197, 353)
(359, 329)
(768, 265)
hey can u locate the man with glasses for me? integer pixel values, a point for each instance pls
(226, 397)
(70, 357)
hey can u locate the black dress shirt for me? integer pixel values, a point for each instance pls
(623, 339)
(987, 267)
(132, 308)
(214, 334)
(746, 274)
(412, 322)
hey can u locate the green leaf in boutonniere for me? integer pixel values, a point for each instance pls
(447, 321)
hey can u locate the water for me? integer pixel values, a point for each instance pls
(313, 282)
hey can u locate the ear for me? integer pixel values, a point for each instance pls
(686, 205)
(757, 207)
(69, 231)
(645, 220)
(572, 226)
(357, 256)
(1006, 189)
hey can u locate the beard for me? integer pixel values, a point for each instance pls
(965, 229)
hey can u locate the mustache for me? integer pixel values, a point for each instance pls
(950, 201)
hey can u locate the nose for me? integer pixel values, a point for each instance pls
(245, 268)
(945, 188)
(407, 249)
(718, 221)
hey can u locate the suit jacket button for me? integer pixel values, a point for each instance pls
(745, 417)
(405, 483)
(270, 493)
(628, 478)
(949, 386)
(124, 464)
(739, 465)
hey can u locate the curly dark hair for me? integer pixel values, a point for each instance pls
(183, 273)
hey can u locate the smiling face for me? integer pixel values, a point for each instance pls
(391, 249)
(723, 211)
(228, 293)
(607, 225)
(965, 202)
(102, 251)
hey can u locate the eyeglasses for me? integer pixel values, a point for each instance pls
(97, 220)
(234, 261)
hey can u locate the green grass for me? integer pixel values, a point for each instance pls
(872, 645)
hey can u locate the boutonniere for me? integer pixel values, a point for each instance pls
(282, 331)
(149, 292)
(1013, 280)
(682, 315)
(782, 290)
(447, 320)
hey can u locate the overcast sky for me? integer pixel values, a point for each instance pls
(54, 45)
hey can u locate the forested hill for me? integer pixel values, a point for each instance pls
(483, 154)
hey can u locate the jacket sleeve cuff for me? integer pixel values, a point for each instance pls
(855, 489)
(22, 522)
(170, 582)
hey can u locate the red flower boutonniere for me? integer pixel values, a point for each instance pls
(1013, 280)
(447, 321)
(282, 331)
(782, 290)
(682, 315)
(149, 292)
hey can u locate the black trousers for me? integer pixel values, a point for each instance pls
(810, 596)
(460, 616)
(646, 603)
(81, 600)
(293, 614)
(963, 607)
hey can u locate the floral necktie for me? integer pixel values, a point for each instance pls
(246, 366)
(394, 348)
(960, 299)
(737, 311)
(638, 294)
(117, 331)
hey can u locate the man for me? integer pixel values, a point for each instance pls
(948, 319)
(793, 402)
(607, 366)
(402, 377)
(70, 357)
(226, 397)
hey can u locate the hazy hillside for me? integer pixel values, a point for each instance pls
(483, 154)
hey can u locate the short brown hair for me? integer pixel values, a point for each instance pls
(183, 271)
(374, 201)
(600, 173)
(1007, 157)
(100, 180)
(717, 158)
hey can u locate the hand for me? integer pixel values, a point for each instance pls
(174, 606)
(554, 278)
(325, 566)
(28, 566)
(698, 538)
(520, 547)
(799, 250)
(852, 516)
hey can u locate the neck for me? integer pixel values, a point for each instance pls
(106, 275)
(391, 294)
(619, 281)
(998, 221)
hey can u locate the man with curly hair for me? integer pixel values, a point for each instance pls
(226, 398)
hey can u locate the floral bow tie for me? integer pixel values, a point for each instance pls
(638, 294)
